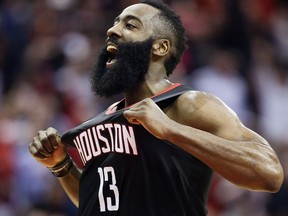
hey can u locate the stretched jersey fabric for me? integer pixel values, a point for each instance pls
(129, 172)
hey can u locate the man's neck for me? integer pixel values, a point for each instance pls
(145, 90)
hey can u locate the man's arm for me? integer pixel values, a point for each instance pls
(206, 128)
(48, 150)
(70, 184)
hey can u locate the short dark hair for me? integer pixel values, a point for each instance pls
(173, 29)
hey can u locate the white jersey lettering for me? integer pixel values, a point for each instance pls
(106, 138)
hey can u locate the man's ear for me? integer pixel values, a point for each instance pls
(161, 47)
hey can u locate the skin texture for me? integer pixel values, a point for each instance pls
(197, 122)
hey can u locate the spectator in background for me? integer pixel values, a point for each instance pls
(270, 76)
(279, 30)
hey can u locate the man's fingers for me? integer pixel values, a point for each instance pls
(44, 141)
(35, 153)
(39, 142)
(47, 147)
(131, 116)
(140, 112)
(54, 137)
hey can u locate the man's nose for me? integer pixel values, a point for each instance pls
(114, 31)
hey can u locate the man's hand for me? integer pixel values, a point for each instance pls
(150, 116)
(47, 148)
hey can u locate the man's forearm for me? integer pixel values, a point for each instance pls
(70, 183)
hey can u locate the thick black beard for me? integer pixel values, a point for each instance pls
(129, 70)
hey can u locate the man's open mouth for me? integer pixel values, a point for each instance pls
(112, 50)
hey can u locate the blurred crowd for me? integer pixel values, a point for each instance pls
(238, 50)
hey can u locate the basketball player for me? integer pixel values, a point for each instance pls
(154, 152)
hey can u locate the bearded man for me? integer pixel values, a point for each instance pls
(154, 152)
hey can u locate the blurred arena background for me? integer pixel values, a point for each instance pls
(238, 50)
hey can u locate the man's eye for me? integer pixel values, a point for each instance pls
(130, 26)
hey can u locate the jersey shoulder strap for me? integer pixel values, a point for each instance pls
(165, 98)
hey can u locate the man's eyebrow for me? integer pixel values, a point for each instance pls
(128, 17)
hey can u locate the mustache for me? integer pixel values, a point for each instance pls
(112, 40)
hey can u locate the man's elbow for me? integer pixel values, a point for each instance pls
(274, 180)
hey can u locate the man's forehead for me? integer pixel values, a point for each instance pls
(139, 10)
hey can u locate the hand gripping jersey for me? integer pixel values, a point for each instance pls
(129, 172)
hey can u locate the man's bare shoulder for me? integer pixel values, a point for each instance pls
(198, 99)
(202, 110)
(196, 102)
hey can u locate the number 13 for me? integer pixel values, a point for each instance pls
(103, 174)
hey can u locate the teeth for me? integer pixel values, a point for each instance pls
(111, 48)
